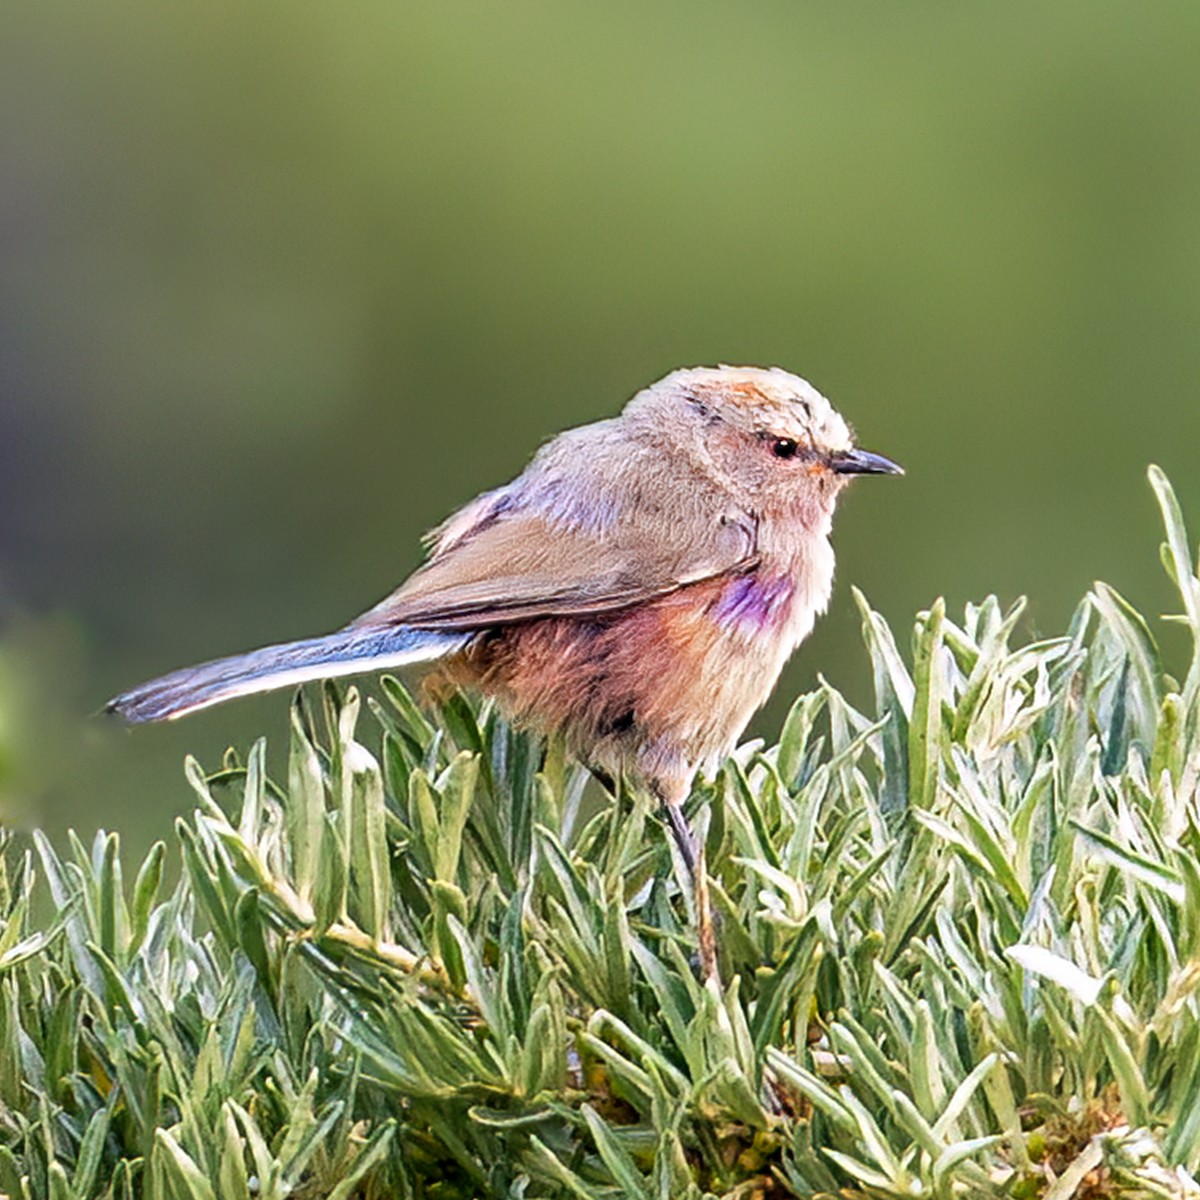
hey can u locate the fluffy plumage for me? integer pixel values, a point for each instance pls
(638, 587)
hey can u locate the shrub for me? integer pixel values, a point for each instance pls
(959, 938)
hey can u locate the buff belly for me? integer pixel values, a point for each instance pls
(657, 690)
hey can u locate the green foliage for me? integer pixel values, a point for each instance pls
(959, 941)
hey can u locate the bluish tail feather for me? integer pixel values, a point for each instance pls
(347, 652)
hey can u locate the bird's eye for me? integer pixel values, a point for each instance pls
(783, 447)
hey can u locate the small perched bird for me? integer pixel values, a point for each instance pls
(638, 587)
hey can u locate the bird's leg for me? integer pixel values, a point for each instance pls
(706, 930)
(691, 850)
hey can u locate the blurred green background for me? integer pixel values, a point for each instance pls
(283, 284)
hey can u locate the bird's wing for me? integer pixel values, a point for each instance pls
(519, 565)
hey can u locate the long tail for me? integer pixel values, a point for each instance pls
(347, 652)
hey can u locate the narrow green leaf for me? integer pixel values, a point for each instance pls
(370, 884)
(456, 787)
(186, 1177)
(1183, 573)
(91, 1150)
(12, 1184)
(924, 730)
(543, 1160)
(232, 1181)
(616, 1158)
(145, 893)
(368, 1157)
(329, 895)
(306, 806)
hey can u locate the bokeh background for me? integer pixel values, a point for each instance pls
(284, 283)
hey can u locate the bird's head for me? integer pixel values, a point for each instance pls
(770, 435)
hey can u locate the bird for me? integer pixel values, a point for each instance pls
(637, 589)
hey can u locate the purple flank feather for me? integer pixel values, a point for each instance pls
(753, 604)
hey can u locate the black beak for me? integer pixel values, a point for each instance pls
(862, 462)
